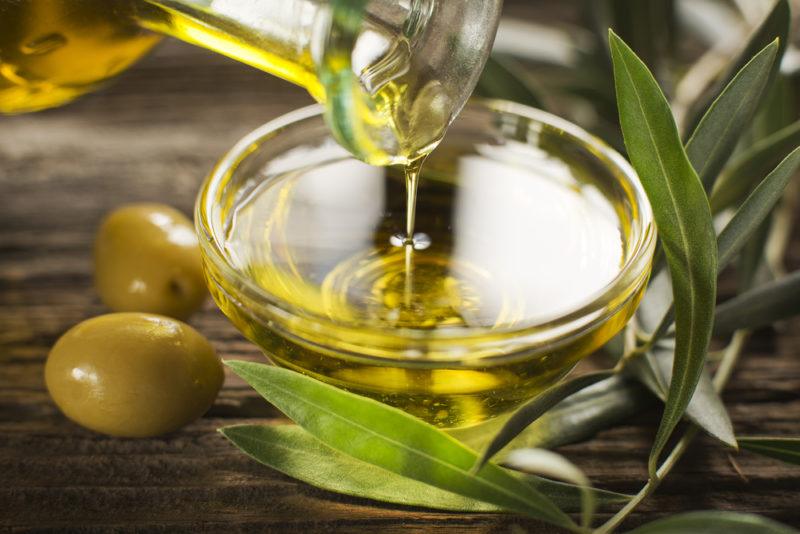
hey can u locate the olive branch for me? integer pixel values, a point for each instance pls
(717, 178)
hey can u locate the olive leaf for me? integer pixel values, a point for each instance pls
(586, 413)
(553, 465)
(745, 170)
(775, 24)
(714, 522)
(294, 452)
(500, 80)
(394, 440)
(756, 208)
(531, 411)
(684, 220)
(761, 306)
(706, 409)
(709, 148)
(577, 418)
(751, 258)
(747, 220)
(645, 368)
(715, 138)
(786, 449)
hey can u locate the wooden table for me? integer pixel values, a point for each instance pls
(153, 136)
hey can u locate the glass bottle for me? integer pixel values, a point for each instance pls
(392, 74)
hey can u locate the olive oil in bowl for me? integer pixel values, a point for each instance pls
(531, 247)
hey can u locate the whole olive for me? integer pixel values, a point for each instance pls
(147, 259)
(133, 374)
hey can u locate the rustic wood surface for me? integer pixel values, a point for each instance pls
(153, 136)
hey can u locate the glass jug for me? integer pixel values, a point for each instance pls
(392, 74)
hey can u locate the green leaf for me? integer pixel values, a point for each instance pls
(575, 419)
(715, 138)
(714, 522)
(531, 411)
(296, 453)
(776, 24)
(751, 260)
(785, 449)
(553, 465)
(586, 413)
(745, 171)
(756, 208)
(645, 368)
(761, 306)
(747, 221)
(390, 438)
(684, 221)
(706, 409)
(500, 79)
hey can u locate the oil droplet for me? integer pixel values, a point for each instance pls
(43, 44)
(420, 241)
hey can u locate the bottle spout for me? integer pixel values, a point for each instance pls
(398, 73)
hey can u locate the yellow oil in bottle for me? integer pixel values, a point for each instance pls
(52, 51)
(433, 325)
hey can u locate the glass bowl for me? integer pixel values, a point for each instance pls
(534, 246)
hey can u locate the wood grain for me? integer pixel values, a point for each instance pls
(153, 136)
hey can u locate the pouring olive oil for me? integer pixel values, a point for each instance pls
(528, 250)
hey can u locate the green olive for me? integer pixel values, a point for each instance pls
(133, 374)
(147, 259)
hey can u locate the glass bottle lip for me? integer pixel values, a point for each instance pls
(597, 308)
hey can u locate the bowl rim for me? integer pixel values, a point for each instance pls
(632, 274)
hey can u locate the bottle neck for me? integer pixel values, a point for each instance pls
(275, 36)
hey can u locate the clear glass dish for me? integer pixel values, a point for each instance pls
(535, 245)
